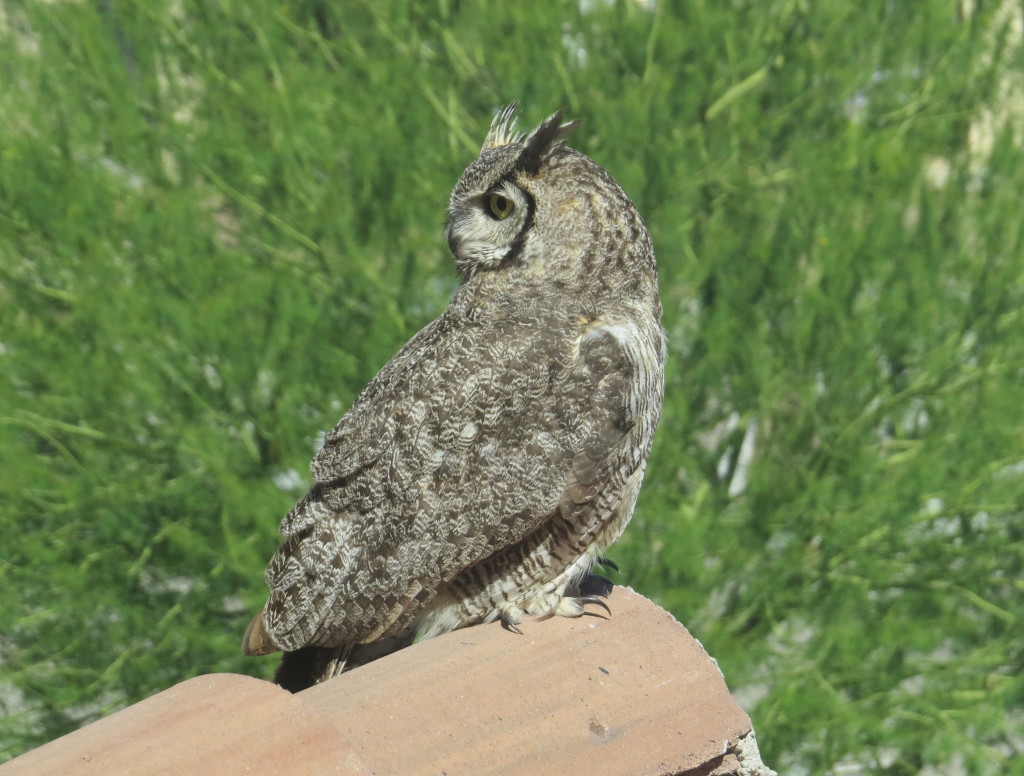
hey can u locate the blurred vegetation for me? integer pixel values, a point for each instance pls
(219, 219)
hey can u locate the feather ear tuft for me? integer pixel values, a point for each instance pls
(503, 128)
(540, 142)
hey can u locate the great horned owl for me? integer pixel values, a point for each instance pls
(482, 472)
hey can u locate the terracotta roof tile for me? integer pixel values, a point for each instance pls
(633, 694)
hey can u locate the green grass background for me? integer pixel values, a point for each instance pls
(219, 219)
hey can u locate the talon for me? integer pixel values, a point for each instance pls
(602, 561)
(595, 584)
(511, 616)
(589, 599)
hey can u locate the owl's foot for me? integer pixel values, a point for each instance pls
(602, 561)
(511, 616)
(589, 588)
(574, 607)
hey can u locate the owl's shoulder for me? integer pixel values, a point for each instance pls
(460, 368)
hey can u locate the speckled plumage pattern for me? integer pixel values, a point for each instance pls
(490, 462)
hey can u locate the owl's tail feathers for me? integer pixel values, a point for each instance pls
(256, 640)
(301, 668)
(307, 666)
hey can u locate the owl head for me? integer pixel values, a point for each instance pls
(531, 203)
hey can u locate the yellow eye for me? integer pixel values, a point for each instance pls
(501, 206)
